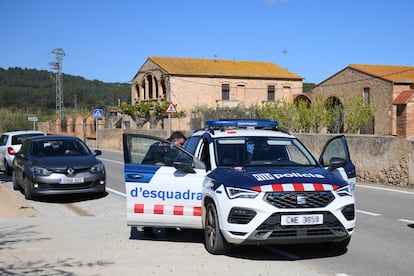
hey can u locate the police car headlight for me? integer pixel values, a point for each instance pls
(97, 168)
(40, 171)
(344, 191)
(233, 193)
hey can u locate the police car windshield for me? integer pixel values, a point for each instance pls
(262, 151)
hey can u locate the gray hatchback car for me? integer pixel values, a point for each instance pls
(52, 165)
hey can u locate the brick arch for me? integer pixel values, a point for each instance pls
(337, 124)
(149, 88)
(302, 98)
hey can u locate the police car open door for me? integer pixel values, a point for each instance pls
(335, 155)
(163, 183)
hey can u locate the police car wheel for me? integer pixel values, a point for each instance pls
(214, 241)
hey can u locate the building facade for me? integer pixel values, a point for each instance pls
(379, 86)
(192, 83)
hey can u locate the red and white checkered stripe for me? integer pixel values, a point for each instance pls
(159, 209)
(295, 187)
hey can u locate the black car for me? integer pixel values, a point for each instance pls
(55, 164)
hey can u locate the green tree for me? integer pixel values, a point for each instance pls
(357, 114)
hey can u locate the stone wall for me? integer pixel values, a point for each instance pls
(378, 159)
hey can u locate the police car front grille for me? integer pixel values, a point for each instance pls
(299, 199)
(84, 185)
(331, 227)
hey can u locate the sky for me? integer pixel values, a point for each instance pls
(109, 40)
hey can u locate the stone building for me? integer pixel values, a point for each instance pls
(380, 86)
(190, 83)
(405, 113)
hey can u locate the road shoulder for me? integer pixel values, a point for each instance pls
(11, 206)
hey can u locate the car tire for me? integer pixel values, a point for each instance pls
(15, 184)
(7, 168)
(27, 189)
(214, 241)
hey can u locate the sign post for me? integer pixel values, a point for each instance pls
(34, 120)
(170, 110)
(97, 114)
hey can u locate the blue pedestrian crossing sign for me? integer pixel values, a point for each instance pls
(97, 113)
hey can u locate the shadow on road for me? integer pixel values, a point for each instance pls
(284, 252)
(41, 267)
(249, 252)
(70, 198)
(5, 178)
(167, 234)
(9, 236)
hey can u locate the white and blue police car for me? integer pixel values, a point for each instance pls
(242, 182)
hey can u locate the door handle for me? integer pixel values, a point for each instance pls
(135, 176)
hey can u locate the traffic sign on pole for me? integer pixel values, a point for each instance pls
(171, 109)
(98, 113)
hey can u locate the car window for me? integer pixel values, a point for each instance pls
(151, 151)
(260, 151)
(18, 139)
(335, 148)
(3, 140)
(55, 148)
(191, 144)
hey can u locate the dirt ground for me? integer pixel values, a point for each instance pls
(11, 206)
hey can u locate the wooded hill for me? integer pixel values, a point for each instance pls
(35, 91)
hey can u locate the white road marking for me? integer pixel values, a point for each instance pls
(385, 189)
(368, 213)
(116, 192)
(109, 160)
(406, 220)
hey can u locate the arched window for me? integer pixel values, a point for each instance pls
(302, 99)
(150, 87)
(336, 116)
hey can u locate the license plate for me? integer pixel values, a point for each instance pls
(301, 219)
(71, 180)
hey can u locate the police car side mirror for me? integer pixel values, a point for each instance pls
(336, 162)
(185, 167)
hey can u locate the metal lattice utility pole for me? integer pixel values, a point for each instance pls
(57, 66)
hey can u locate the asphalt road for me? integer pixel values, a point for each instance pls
(89, 236)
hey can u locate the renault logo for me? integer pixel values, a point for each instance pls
(300, 199)
(70, 171)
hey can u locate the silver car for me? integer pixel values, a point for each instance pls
(10, 143)
(54, 164)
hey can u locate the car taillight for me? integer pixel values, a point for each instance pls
(11, 151)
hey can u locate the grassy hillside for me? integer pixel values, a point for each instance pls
(35, 91)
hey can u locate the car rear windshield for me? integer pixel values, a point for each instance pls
(262, 151)
(50, 148)
(18, 139)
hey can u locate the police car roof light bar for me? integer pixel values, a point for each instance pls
(242, 123)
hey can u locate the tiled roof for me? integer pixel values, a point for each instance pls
(404, 97)
(387, 72)
(219, 67)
